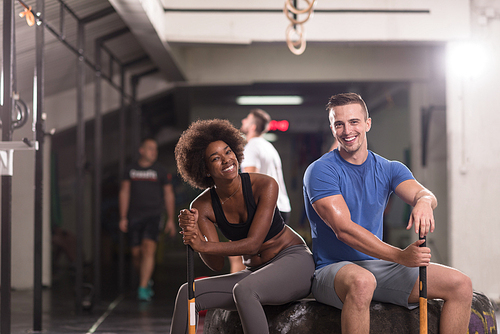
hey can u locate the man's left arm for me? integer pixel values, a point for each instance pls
(169, 197)
(423, 201)
(251, 169)
(250, 163)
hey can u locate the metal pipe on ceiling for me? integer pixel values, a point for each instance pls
(280, 10)
(60, 36)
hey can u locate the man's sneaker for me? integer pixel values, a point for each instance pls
(144, 294)
(150, 288)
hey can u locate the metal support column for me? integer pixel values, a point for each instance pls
(39, 134)
(97, 174)
(135, 120)
(121, 171)
(80, 169)
(98, 151)
(122, 156)
(135, 128)
(136, 109)
(8, 104)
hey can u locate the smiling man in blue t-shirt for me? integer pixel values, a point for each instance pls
(345, 194)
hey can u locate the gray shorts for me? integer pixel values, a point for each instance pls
(394, 282)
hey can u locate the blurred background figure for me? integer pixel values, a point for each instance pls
(260, 156)
(146, 191)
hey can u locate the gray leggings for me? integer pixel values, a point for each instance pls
(287, 277)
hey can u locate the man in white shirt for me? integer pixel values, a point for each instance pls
(260, 156)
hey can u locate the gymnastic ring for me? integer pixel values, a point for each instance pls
(294, 10)
(293, 45)
(294, 21)
(23, 112)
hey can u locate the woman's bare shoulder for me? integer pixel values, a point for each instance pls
(263, 183)
(261, 178)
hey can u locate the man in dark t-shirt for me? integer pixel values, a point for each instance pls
(146, 191)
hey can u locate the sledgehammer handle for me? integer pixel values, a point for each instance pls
(422, 283)
(190, 279)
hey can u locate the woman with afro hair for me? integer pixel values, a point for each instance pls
(279, 265)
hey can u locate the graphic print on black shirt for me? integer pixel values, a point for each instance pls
(146, 190)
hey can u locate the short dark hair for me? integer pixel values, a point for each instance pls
(190, 149)
(343, 99)
(145, 139)
(262, 120)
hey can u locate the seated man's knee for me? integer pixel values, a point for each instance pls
(361, 288)
(463, 286)
(455, 286)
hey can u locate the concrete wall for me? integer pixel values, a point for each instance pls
(23, 182)
(473, 163)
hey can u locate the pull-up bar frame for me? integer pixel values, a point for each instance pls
(9, 76)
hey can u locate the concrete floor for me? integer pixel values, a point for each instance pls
(116, 313)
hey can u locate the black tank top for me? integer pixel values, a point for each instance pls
(240, 231)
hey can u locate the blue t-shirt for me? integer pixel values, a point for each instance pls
(365, 188)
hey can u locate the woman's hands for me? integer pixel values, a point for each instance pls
(191, 235)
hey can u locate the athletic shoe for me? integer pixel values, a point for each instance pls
(150, 288)
(143, 294)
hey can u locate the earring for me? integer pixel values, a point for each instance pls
(208, 175)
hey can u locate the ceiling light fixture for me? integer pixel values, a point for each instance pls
(284, 100)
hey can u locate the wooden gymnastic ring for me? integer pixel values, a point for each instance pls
(293, 45)
(293, 20)
(294, 10)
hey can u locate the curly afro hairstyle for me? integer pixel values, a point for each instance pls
(190, 149)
